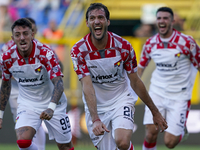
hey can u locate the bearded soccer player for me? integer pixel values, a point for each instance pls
(177, 59)
(35, 68)
(107, 69)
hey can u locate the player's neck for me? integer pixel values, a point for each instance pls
(27, 53)
(100, 44)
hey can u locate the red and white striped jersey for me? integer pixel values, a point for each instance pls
(108, 68)
(32, 74)
(176, 60)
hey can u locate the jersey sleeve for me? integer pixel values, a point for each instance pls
(79, 63)
(194, 52)
(130, 63)
(6, 75)
(145, 57)
(51, 64)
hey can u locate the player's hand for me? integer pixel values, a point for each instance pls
(99, 128)
(1, 122)
(160, 122)
(47, 114)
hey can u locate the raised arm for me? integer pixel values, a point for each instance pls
(90, 97)
(4, 96)
(140, 90)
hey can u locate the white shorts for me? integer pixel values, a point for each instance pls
(13, 98)
(58, 127)
(122, 117)
(174, 111)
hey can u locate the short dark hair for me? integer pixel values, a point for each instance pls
(166, 9)
(98, 6)
(31, 20)
(22, 22)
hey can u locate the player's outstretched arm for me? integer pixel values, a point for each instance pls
(140, 90)
(56, 95)
(98, 127)
(4, 96)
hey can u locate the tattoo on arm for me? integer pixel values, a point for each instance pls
(58, 89)
(4, 93)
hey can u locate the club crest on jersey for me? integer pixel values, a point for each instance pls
(38, 69)
(117, 64)
(178, 54)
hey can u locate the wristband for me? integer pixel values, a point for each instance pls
(52, 106)
(1, 114)
(96, 120)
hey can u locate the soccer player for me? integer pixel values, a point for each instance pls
(177, 59)
(40, 136)
(34, 66)
(107, 69)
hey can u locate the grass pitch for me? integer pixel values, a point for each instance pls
(91, 147)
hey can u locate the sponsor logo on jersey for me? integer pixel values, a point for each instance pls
(95, 138)
(92, 66)
(27, 80)
(100, 77)
(166, 65)
(18, 71)
(104, 78)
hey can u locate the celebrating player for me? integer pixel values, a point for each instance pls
(106, 66)
(40, 137)
(34, 66)
(177, 58)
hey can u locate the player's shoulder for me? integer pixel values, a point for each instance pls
(43, 50)
(9, 53)
(42, 47)
(187, 38)
(81, 45)
(120, 42)
(153, 39)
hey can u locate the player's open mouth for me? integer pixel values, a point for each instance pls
(98, 30)
(162, 27)
(23, 45)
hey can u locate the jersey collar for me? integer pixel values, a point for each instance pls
(93, 48)
(170, 39)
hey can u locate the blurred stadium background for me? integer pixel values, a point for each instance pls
(127, 16)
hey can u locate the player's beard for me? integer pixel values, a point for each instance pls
(102, 36)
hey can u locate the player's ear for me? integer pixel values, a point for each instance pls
(12, 37)
(87, 23)
(108, 22)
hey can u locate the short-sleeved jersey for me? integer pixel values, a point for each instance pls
(33, 75)
(108, 69)
(176, 61)
(7, 46)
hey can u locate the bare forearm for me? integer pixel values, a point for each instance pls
(58, 89)
(90, 97)
(91, 103)
(141, 91)
(140, 71)
(4, 93)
